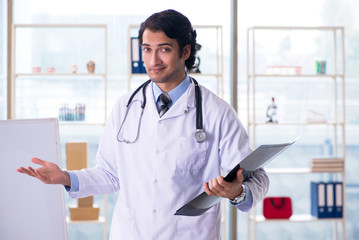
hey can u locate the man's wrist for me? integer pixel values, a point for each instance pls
(74, 182)
(67, 179)
(231, 199)
(240, 197)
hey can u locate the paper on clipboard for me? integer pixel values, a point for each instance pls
(257, 159)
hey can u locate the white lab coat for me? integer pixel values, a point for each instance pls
(166, 167)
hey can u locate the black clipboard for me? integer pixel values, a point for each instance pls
(257, 159)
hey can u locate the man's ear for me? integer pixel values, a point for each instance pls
(186, 51)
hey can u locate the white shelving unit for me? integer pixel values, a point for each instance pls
(216, 35)
(62, 76)
(50, 82)
(334, 78)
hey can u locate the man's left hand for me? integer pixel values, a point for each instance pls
(219, 187)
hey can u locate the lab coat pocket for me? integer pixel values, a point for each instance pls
(191, 154)
(126, 220)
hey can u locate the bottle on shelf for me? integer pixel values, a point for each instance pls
(272, 112)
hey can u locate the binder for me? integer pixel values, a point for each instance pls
(135, 55)
(338, 200)
(329, 200)
(142, 65)
(317, 190)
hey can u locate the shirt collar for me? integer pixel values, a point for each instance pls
(175, 93)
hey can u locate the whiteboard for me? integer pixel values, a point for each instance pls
(29, 209)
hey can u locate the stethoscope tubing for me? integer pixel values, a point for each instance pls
(199, 134)
(143, 86)
(198, 97)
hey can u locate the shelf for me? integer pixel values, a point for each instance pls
(287, 170)
(60, 26)
(319, 28)
(62, 74)
(296, 171)
(101, 220)
(205, 74)
(294, 218)
(190, 73)
(297, 76)
(296, 124)
(71, 123)
(139, 75)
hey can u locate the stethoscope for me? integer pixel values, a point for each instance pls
(199, 135)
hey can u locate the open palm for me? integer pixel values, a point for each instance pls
(49, 173)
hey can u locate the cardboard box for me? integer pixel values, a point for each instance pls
(76, 159)
(76, 155)
(84, 213)
(85, 202)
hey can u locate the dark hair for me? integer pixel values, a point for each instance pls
(176, 26)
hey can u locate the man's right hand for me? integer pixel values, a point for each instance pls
(49, 173)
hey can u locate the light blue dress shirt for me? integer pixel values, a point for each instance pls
(175, 93)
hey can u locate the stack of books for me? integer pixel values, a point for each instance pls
(327, 164)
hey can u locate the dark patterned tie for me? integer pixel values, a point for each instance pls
(165, 99)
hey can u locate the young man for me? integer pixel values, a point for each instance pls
(148, 152)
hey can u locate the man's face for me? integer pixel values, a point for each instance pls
(162, 59)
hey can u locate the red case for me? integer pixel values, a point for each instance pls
(277, 207)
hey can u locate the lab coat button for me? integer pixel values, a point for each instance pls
(155, 181)
(154, 211)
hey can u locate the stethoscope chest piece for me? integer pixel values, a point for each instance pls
(200, 135)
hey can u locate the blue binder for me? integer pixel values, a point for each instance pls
(142, 65)
(135, 55)
(317, 191)
(338, 199)
(329, 200)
